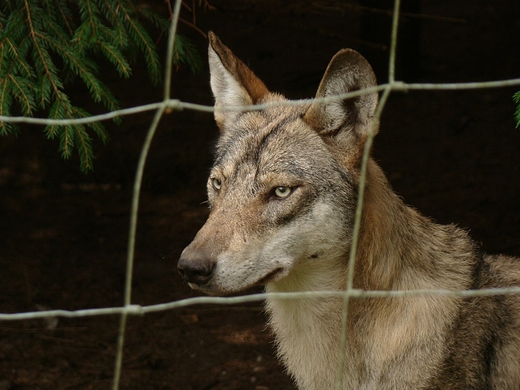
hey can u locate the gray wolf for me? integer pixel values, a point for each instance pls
(283, 193)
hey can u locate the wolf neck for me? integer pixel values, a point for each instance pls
(392, 254)
(400, 249)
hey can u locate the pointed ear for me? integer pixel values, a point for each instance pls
(346, 123)
(232, 82)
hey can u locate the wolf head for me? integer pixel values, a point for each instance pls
(283, 187)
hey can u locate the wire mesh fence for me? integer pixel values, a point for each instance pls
(167, 104)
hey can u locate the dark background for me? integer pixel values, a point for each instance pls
(63, 235)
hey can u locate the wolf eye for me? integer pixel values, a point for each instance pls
(216, 183)
(282, 192)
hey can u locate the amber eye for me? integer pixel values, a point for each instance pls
(216, 183)
(282, 192)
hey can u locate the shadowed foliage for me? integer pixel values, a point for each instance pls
(45, 45)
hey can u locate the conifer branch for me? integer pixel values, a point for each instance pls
(516, 99)
(46, 44)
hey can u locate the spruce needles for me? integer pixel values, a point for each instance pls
(47, 44)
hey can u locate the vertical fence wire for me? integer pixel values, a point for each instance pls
(361, 195)
(137, 191)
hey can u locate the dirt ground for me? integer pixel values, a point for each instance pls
(63, 235)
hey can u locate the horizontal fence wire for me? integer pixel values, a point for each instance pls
(139, 310)
(169, 104)
(176, 104)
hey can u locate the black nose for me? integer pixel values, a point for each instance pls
(197, 271)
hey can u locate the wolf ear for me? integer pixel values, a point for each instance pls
(346, 122)
(232, 82)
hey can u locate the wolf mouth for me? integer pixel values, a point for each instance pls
(210, 289)
(270, 277)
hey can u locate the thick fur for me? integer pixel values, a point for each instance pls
(283, 193)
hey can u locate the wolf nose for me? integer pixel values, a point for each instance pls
(197, 271)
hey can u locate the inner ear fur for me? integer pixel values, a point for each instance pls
(233, 84)
(345, 122)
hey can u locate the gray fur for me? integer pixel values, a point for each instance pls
(283, 195)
